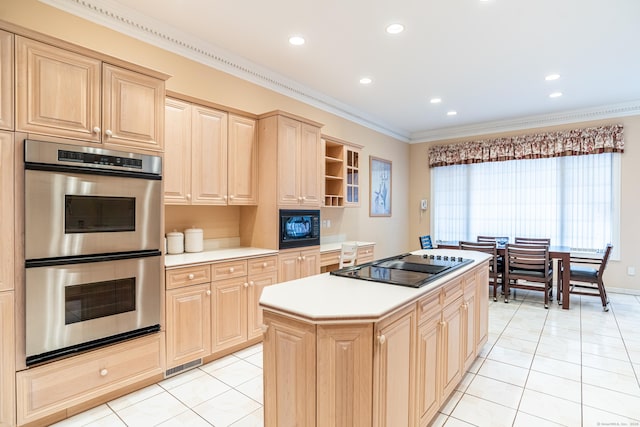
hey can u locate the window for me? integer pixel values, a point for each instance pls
(574, 200)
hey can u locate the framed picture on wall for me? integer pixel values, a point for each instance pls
(379, 187)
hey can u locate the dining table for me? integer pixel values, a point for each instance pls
(560, 253)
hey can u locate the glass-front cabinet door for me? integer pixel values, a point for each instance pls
(353, 181)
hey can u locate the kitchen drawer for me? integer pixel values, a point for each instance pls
(329, 258)
(53, 387)
(261, 265)
(429, 305)
(365, 254)
(185, 276)
(229, 270)
(451, 291)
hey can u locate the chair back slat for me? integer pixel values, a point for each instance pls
(348, 254)
(425, 242)
(527, 257)
(533, 241)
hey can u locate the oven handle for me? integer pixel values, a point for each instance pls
(92, 171)
(48, 262)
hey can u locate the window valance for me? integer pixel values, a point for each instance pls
(573, 142)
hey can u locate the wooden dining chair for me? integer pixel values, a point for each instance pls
(495, 273)
(425, 242)
(498, 239)
(527, 267)
(533, 241)
(348, 254)
(586, 277)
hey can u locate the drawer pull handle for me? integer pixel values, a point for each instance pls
(103, 372)
(246, 285)
(382, 339)
(208, 292)
(191, 276)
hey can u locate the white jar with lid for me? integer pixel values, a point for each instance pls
(193, 239)
(175, 242)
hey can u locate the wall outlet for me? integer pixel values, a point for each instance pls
(631, 271)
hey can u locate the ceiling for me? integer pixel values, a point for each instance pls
(486, 60)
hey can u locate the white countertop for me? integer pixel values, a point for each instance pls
(215, 255)
(330, 298)
(328, 247)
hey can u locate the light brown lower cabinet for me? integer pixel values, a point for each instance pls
(56, 386)
(396, 371)
(298, 263)
(7, 360)
(214, 307)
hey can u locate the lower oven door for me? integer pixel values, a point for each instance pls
(76, 307)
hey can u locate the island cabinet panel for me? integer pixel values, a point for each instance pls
(429, 357)
(344, 375)
(289, 372)
(469, 321)
(482, 323)
(452, 329)
(393, 370)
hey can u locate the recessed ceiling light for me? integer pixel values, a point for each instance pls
(296, 40)
(552, 77)
(395, 28)
(451, 113)
(555, 95)
(365, 80)
(435, 100)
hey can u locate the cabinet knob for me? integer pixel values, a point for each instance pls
(208, 292)
(264, 328)
(264, 265)
(190, 276)
(224, 197)
(299, 258)
(108, 132)
(103, 372)
(304, 257)
(188, 196)
(231, 269)
(299, 199)
(96, 129)
(231, 197)
(246, 285)
(251, 283)
(382, 339)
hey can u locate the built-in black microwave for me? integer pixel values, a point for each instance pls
(299, 228)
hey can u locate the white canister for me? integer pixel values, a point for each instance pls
(193, 240)
(175, 242)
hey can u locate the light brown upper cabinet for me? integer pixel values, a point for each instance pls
(341, 173)
(298, 162)
(210, 156)
(6, 80)
(63, 93)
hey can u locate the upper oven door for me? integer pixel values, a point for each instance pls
(74, 214)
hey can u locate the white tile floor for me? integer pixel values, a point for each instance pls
(540, 368)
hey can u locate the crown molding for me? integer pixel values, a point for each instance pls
(529, 122)
(139, 26)
(144, 28)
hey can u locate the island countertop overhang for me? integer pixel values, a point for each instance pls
(326, 298)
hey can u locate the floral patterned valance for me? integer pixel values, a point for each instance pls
(601, 139)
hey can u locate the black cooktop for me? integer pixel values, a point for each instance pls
(405, 270)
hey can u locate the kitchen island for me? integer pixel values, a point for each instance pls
(348, 352)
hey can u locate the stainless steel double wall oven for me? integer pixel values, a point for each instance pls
(92, 247)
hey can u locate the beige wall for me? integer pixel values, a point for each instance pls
(197, 80)
(616, 275)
